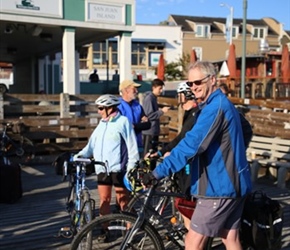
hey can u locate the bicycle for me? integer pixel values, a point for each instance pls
(138, 231)
(15, 144)
(79, 204)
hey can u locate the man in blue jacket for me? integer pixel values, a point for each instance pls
(220, 172)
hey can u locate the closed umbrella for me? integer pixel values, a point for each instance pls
(285, 65)
(161, 68)
(224, 71)
(193, 57)
(232, 65)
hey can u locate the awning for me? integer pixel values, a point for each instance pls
(143, 40)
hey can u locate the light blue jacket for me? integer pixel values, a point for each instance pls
(113, 141)
(215, 147)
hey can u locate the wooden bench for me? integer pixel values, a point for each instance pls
(269, 152)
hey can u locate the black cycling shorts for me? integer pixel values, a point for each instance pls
(113, 179)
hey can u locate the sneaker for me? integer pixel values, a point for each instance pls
(65, 232)
(104, 236)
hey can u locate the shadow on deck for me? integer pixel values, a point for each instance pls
(34, 221)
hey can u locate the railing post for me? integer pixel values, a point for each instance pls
(1, 106)
(64, 105)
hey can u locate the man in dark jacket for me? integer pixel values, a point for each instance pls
(152, 111)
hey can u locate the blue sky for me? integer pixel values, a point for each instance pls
(155, 11)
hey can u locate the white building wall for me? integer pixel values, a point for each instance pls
(172, 35)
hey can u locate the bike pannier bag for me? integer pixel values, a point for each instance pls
(262, 222)
(10, 183)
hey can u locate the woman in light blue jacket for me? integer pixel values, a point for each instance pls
(114, 141)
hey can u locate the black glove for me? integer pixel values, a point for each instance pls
(149, 179)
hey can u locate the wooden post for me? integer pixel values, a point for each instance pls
(64, 112)
(1, 106)
(64, 105)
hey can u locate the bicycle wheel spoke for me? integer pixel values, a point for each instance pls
(108, 232)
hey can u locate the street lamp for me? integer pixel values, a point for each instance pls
(229, 21)
(243, 70)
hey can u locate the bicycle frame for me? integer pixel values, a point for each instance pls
(165, 196)
(78, 184)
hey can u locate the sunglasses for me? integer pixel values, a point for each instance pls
(101, 108)
(197, 82)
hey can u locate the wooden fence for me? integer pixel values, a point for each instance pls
(64, 122)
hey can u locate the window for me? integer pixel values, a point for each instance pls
(202, 30)
(138, 53)
(259, 33)
(198, 51)
(235, 31)
(114, 48)
(99, 53)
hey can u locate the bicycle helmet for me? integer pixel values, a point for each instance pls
(133, 179)
(108, 100)
(185, 89)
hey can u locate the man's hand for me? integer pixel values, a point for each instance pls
(144, 119)
(166, 154)
(165, 109)
(76, 156)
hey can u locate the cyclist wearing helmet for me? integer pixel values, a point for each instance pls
(188, 103)
(113, 140)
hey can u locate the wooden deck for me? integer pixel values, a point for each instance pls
(33, 222)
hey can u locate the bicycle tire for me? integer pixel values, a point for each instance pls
(20, 146)
(86, 217)
(117, 226)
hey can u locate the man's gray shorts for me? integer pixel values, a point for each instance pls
(211, 216)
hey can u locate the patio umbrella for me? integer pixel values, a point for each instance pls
(193, 57)
(232, 65)
(224, 71)
(161, 68)
(285, 65)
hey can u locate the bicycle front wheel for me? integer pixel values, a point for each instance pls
(86, 217)
(109, 231)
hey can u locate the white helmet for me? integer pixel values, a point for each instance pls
(185, 89)
(108, 101)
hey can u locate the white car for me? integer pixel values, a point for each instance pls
(5, 83)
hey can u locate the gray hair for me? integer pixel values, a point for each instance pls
(207, 68)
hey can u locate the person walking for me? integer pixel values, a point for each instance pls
(220, 174)
(114, 141)
(133, 110)
(152, 111)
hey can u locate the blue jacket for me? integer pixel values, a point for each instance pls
(133, 111)
(215, 145)
(113, 141)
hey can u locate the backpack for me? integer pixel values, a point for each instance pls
(262, 222)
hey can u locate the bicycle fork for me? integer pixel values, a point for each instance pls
(139, 222)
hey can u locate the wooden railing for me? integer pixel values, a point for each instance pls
(65, 122)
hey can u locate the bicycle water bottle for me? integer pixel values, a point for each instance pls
(176, 223)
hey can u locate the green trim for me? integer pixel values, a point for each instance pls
(74, 10)
(128, 15)
(127, 33)
(69, 29)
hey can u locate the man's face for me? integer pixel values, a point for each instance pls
(130, 93)
(202, 85)
(157, 90)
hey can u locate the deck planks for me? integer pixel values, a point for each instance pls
(35, 219)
